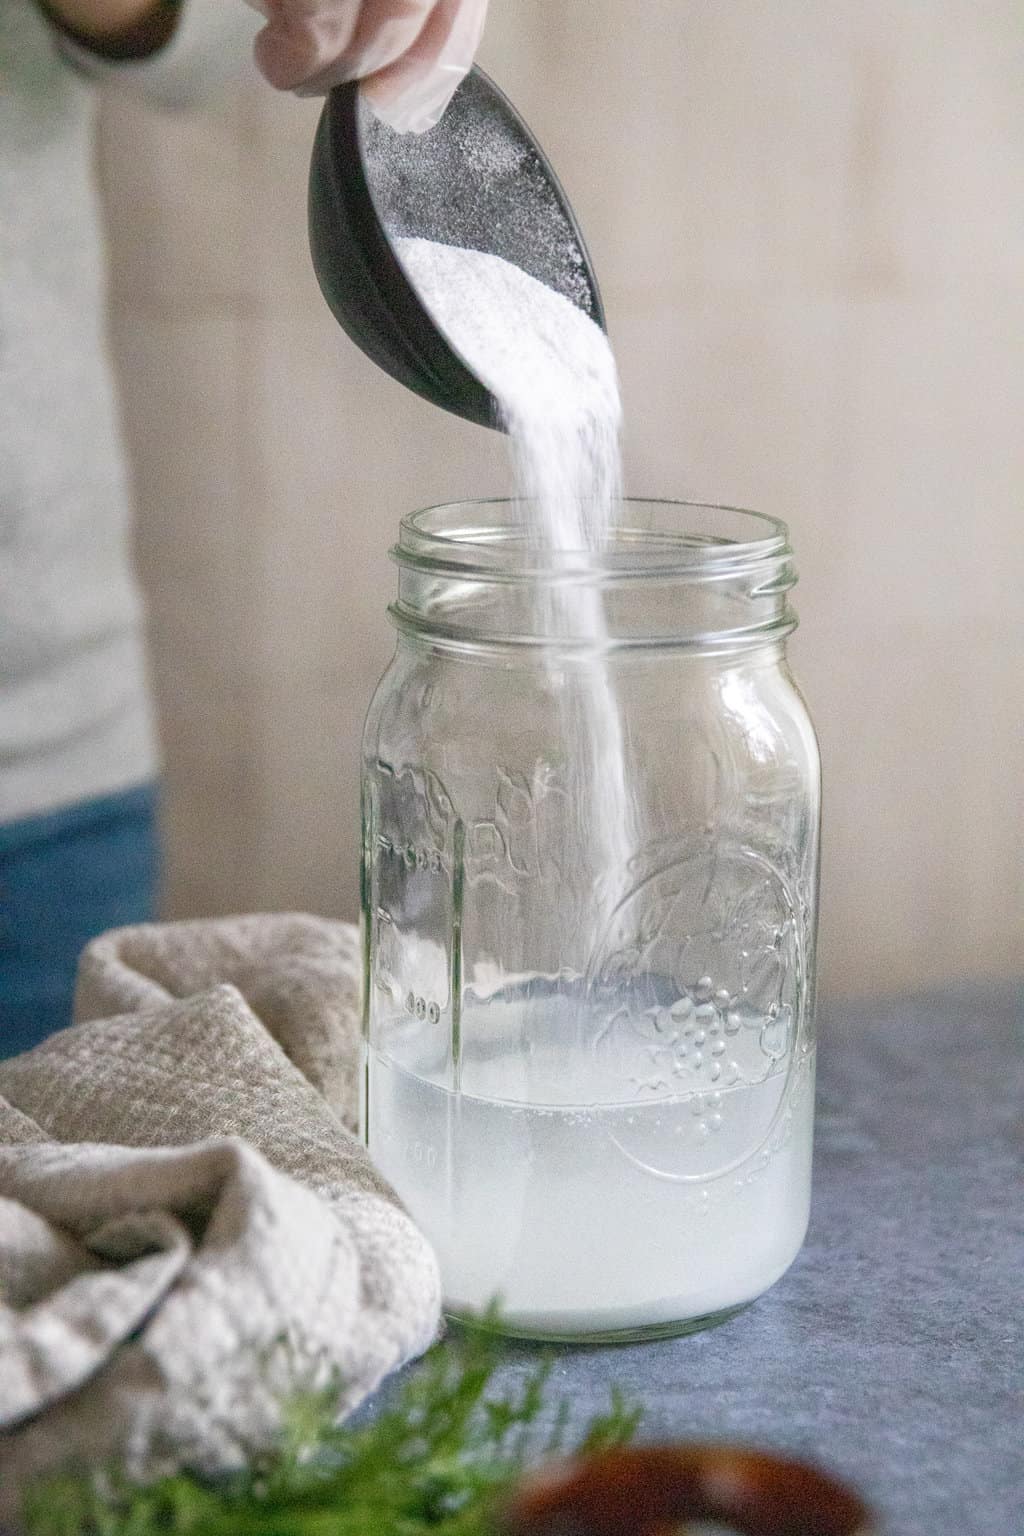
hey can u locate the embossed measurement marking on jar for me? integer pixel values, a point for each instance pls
(412, 851)
(413, 857)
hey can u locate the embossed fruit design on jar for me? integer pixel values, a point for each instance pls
(589, 893)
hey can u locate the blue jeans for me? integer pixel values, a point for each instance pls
(65, 877)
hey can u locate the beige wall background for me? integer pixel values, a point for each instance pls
(809, 225)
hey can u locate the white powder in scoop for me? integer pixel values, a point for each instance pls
(552, 372)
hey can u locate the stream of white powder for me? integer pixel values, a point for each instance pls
(552, 372)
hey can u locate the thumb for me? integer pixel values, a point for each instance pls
(412, 93)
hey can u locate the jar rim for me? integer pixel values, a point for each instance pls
(655, 536)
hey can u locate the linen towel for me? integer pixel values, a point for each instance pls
(188, 1228)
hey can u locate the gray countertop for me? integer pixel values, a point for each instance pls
(893, 1350)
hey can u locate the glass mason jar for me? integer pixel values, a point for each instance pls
(589, 907)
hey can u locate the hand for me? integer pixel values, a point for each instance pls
(410, 54)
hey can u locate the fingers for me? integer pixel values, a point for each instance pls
(412, 92)
(387, 29)
(381, 32)
(411, 53)
(302, 37)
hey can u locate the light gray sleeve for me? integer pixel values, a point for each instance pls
(211, 45)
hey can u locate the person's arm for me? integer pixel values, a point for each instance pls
(116, 29)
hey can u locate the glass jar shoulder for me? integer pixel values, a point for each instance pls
(745, 710)
(762, 702)
(437, 705)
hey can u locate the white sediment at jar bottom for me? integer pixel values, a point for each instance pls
(604, 1217)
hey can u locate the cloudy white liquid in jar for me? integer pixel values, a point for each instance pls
(616, 1214)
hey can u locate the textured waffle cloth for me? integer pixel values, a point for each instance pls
(188, 1227)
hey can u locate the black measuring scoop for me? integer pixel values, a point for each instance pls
(479, 179)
